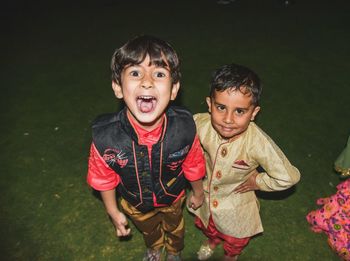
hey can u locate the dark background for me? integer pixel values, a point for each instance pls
(55, 79)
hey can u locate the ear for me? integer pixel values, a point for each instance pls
(255, 112)
(118, 92)
(208, 100)
(174, 91)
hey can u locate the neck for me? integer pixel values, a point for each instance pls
(145, 126)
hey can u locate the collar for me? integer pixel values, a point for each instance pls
(140, 135)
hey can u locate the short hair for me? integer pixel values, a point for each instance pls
(135, 51)
(236, 77)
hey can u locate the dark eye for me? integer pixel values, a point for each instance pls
(220, 107)
(160, 74)
(134, 73)
(240, 111)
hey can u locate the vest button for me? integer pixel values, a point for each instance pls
(218, 174)
(142, 154)
(224, 152)
(215, 203)
(216, 188)
(146, 190)
(144, 173)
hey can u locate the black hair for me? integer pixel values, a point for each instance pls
(236, 77)
(135, 51)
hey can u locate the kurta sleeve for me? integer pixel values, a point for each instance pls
(194, 164)
(100, 176)
(280, 173)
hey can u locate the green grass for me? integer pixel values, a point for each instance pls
(55, 80)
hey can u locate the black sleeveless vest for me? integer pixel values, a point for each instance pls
(117, 142)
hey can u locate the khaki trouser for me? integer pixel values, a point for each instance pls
(160, 227)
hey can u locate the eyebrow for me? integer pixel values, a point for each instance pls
(238, 108)
(243, 109)
(216, 103)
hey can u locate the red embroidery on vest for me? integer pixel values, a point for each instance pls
(112, 156)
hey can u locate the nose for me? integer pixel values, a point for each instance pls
(147, 82)
(228, 117)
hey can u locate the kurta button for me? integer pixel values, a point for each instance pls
(223, 152)
(216, 188)
(215, 203)
(218, 174)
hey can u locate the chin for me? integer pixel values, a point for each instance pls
(227, 137)
(148, 120)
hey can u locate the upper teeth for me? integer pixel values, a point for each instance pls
(146, 97)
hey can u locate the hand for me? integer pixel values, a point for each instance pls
(120, 222)
(196, 200)
(249, 184)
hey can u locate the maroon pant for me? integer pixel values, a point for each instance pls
(232, 246)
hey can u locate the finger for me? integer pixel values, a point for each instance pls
(238, 189)
(122, 230)
(241, 186)
(123, 233)
(243, 189)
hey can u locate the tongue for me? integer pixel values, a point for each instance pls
(145, 105)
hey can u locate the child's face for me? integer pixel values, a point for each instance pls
(231, 112)
(146, 90)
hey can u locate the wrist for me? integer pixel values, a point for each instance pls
(113, 212)
(199, 193)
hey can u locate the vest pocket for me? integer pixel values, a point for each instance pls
(175, 185)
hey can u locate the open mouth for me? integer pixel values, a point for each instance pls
(146, 103)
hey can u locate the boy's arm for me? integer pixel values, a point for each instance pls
(102, 178)
(118, 218)
(197, 197)
(194, 171)
(279, 173)
(276, 180)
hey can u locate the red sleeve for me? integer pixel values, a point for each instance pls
(194, 164)
(100, 176)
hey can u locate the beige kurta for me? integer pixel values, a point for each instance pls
(228, 164)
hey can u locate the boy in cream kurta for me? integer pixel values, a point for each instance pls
(234, 147)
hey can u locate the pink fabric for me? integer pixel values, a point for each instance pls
(333, 218)
(232, 246)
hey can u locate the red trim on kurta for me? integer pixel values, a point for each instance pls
(214, 174)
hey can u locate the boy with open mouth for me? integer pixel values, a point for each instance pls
(149, 150)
